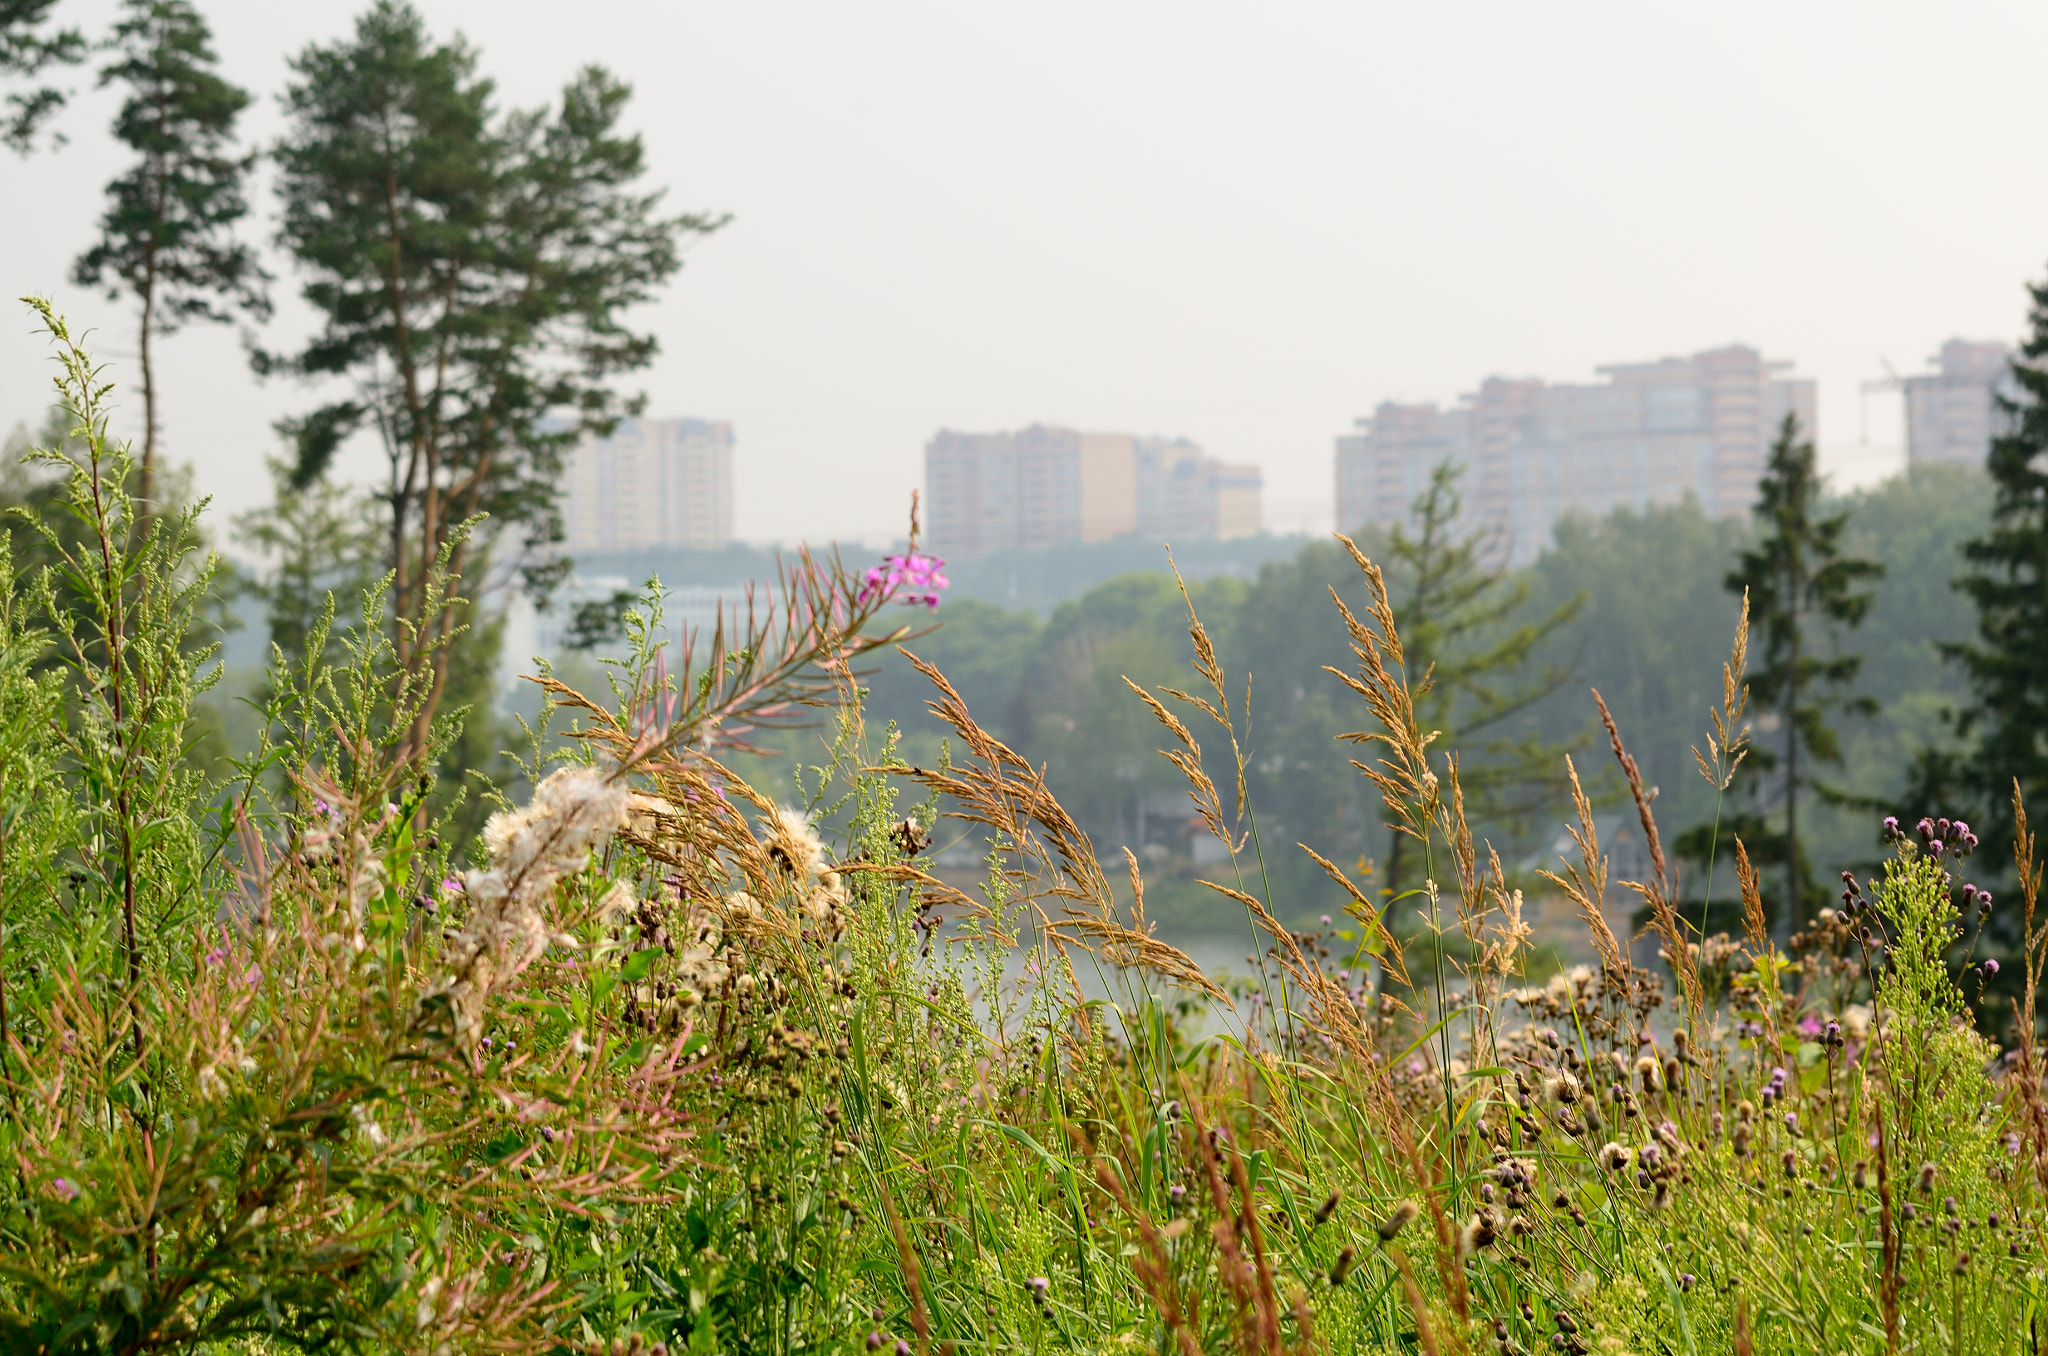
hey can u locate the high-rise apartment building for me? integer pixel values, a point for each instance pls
(1652, 433)
(1952, 412)
(1043, 486)
(653, 483)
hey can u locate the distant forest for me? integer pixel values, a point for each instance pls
(1651, 632)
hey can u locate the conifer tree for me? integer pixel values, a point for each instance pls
(2007, 579)
(1801, 586)
(471, 271)
(28, 47)
(167, 237)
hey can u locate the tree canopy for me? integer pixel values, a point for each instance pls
(472, 270)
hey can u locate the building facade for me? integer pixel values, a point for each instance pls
(1650, 434)
(1045, 486)
(653, 483)
(1952, 413)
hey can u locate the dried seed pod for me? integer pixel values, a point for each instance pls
(1479, 1234)
(1345, 1257)
(1391, 1227)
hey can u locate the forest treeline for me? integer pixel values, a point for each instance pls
(1650, 624)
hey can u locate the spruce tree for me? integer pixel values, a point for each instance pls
(167, 237)
(1801, 586)
(2007, 578)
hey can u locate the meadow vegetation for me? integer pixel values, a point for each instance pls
(665, 1060)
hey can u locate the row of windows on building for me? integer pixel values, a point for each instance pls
(653, 484)
(1045, 486)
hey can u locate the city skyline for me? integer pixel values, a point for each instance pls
(1653, 433)
(1207, 223)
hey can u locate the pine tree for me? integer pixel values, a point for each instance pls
(1473, 659)
(471, 272)
(28, 47)
(2007, 578)
(167, 236)
(1800, 584)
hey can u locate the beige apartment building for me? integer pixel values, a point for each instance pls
(653, 483)
(1650, 434)
(1045, 486)
(1952, 413)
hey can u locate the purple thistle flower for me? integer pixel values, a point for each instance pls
(1990, 968)
(66, 1189)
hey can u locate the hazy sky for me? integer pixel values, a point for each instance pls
(1246, 224)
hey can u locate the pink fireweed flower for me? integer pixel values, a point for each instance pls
(911, 578)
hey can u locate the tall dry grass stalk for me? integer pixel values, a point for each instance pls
(1410, 790)
(2027, 1072)
(999, 790)
(1585, 884)
(1728, 744)
(1661, 890)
